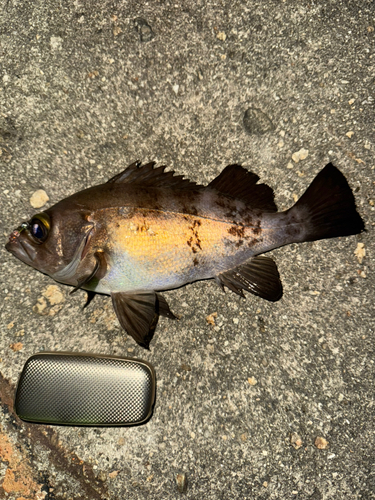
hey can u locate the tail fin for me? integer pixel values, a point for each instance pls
(327, 208)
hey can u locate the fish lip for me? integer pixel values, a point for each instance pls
(22, 250)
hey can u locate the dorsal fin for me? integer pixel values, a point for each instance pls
(237, 182)
(147, 175)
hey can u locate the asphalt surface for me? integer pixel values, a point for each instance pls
(263, 400)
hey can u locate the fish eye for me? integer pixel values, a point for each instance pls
(39, 227)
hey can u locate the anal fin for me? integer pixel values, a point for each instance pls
(138, 314)
(258, 276)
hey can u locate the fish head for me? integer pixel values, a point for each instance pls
(54, 242)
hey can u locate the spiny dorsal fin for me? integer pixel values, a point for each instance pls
(237, 182)
(147, 175)
(258, 276)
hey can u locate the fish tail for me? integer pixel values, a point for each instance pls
(326, 210)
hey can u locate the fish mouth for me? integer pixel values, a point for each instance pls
(21, 249)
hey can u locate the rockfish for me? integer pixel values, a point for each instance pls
(147, 230)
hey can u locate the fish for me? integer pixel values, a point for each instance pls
(147, 230)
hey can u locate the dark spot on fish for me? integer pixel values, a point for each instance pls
(247, 220)
(237, 230)
(257, 229)
(194, 242)
(239, 243)
(190, 210)
(195, 261)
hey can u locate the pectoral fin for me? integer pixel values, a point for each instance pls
(138, 313)
(258, 276)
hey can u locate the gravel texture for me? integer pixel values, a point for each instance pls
(261, 400)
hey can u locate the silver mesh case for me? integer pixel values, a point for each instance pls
(85, 389)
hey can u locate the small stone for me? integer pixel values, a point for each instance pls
(300, 155)
(39, 198)
(175, 88)
(181, 482)
(360, 252)
(17, 346)
(117, 30)
(113, 474)
(56, 42)
(351, 101)
(54, 310)
(211, 318)
(256, 122)
(290, 165)
(252, 380)
(244, 437)
(349, 134)
(321, 443)
(265, 484)
(221, 36)
(54, 295)
(295, 440)
(102, 476)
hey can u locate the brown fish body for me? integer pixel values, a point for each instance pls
(162, 238)
(147, 230)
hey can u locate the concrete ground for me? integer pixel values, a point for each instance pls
(261, 400)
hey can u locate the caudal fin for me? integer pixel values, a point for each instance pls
(327, 208)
